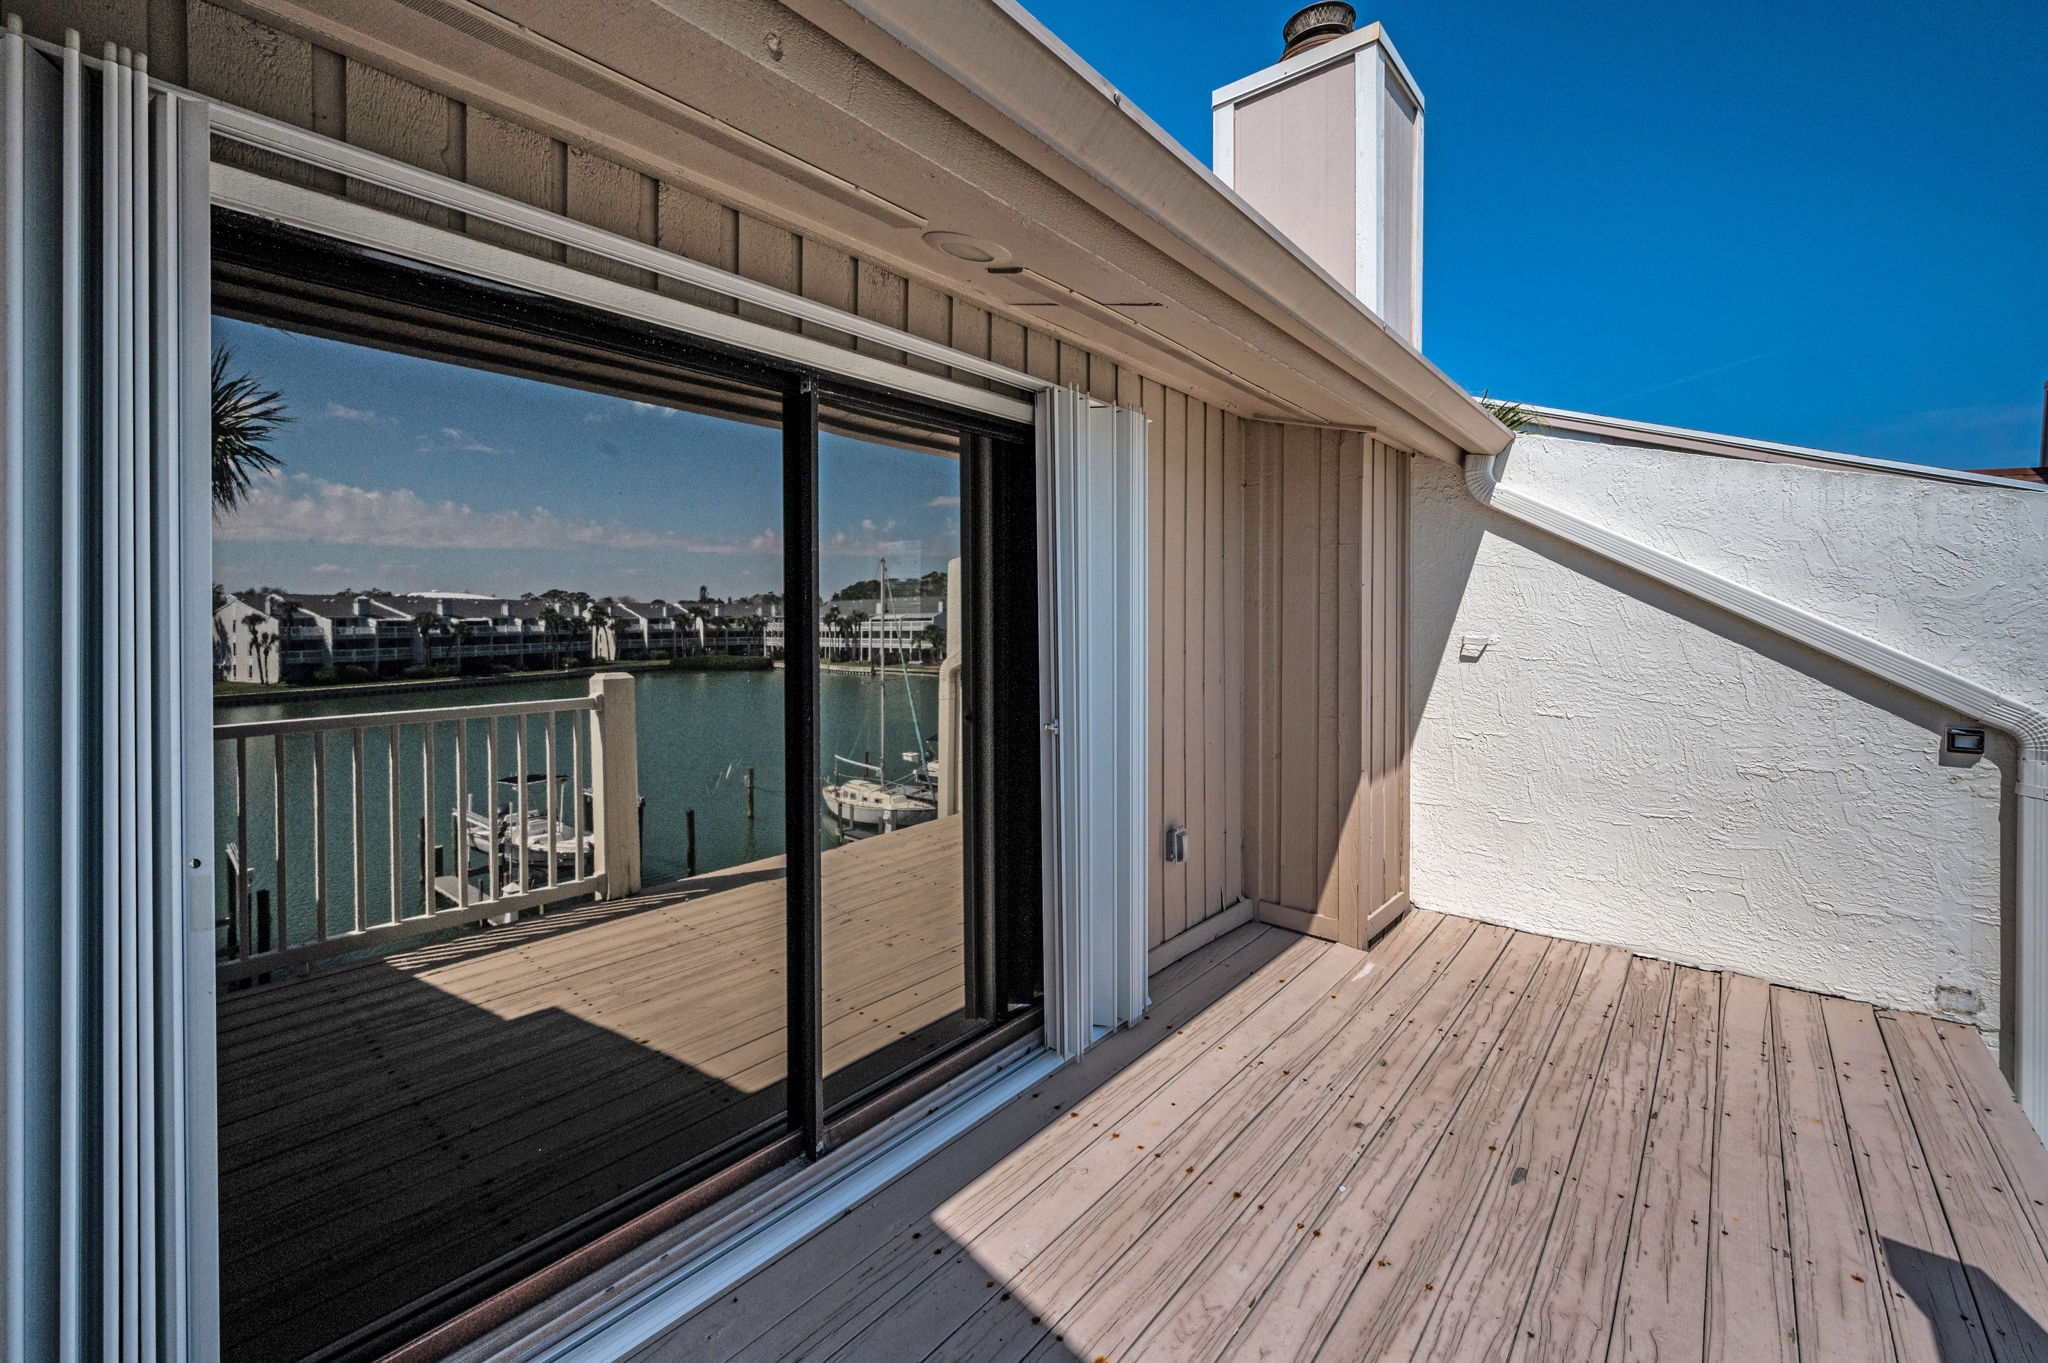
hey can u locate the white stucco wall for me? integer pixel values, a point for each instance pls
(1624, 765)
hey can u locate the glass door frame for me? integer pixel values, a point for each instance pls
(1001, 923)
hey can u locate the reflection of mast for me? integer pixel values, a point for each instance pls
(882, 691)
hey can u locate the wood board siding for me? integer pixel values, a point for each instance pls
(1322, 602)
(1200, 462)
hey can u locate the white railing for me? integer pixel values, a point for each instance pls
(349, 831)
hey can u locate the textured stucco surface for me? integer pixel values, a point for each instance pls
(1625, 765)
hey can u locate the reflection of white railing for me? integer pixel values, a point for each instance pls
(520, 848)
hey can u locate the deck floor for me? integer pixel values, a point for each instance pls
(389, 1126)
(1467, 1144)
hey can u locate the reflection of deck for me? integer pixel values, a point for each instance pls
(1468, 1145)
(388, 1127)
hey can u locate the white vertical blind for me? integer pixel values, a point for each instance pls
(106, 941)
(1092, 566)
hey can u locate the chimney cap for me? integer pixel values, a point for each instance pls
(1316, 24)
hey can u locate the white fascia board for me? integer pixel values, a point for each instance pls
(1314, 59)
(1738, 446)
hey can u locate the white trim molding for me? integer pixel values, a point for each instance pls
(343, 218)
(1093, 602)
(2028, 726)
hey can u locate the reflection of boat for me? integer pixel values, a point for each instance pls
(499, 835)
(866, 801)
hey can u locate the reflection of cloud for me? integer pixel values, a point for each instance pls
(456, 441)
(325, 568)
(300, 508)
(943, 501)
(364, 415)
(654, 407)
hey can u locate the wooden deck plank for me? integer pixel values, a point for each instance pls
(1006, 1218)
(2010, 1137)
(1481, 1296)
(1570, 1312)
(1132, 1166)
(1927, 1292)
(1273, 1187)
(1195, 1002)
(1661, 1310)
(1513, 1147)
(1399, 1271)
(1750, 1315)
(1996, 1252)
(1836, 1286)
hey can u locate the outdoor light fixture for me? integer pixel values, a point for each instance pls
(1967, 741)
(1176, 843)
(973, 250)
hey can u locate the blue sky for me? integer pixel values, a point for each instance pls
(413, 475)
(1817, 223)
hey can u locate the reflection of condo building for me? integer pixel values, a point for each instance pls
(268, 636)
(272, 636)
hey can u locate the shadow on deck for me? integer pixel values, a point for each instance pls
(391, 1126)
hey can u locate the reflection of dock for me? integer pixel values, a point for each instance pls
(389, 1126)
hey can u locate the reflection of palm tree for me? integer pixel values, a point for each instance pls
(834, 621)
(934, 640)
(260, 643)
(853, 623)
(286, 612)
(245, 417)
(551, 629)
(426, 624)
(598, 615)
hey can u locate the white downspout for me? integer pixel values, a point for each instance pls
(2026, 724)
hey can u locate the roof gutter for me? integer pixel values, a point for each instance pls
(2028, 726)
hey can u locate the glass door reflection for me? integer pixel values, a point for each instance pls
(893, 674)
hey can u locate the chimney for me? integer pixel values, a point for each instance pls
(1326, 145)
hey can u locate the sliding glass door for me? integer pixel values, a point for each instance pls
(626, 755)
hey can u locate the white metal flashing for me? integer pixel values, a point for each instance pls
(1314, 59)
(2027, 725)
(1736, 446)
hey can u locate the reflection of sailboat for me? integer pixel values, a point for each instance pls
(866, 801)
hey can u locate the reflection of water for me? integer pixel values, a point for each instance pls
(699, 733)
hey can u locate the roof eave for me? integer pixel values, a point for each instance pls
(998, 70)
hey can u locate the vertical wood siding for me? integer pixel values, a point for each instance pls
(1322, 608)
(1197, 461)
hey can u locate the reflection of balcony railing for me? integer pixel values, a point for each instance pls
(334, 789)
